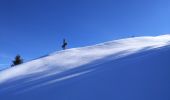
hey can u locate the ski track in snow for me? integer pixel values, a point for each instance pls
(54, 81)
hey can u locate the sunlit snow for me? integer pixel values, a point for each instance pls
(72, 58)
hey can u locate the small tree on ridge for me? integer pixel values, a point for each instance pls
(18, 60)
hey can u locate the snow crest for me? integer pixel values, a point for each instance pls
(62, 61)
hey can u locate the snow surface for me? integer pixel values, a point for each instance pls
(42, 78)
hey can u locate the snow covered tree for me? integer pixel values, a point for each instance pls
(17, 61)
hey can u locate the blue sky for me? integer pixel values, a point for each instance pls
(33, 28)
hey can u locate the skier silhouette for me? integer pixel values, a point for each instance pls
(64, 44)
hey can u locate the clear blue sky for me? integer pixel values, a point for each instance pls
(33, 28)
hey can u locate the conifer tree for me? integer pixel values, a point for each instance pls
(17, 61)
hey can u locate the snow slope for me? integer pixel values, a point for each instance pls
(126, 69)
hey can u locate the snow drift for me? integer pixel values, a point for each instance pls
(51, 76)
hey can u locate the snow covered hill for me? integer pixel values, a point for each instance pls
(126, 69)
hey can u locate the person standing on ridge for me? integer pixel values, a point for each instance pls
(64, 44)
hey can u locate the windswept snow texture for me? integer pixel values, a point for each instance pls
(127, 69)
